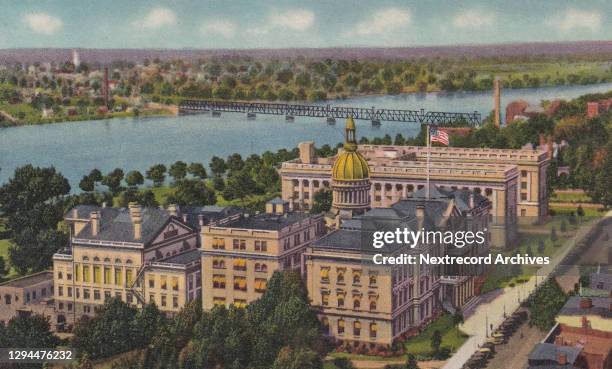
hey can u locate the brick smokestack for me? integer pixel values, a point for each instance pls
(497, 101)
(94, 218)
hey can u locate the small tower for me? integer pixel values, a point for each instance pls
(350, 177)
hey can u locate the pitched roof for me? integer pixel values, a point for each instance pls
(601, 307)
(116, 224)
(550, 352)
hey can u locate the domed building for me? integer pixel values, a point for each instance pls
(350, 178)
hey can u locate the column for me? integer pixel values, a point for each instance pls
(405, 191)
(301, 191)
(311, 192)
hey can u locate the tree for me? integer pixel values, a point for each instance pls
(238, 185)
(157, 174)
(178, 170)
(234, 162)
(197, 170)
(192, 192)
(458, 318)
(113, 180)
(134, 178)
(3, 268)
(436, 341)
(411, 362)
(545, 303)
(297, 359)
(343, 363)
(267, 179)
(217, 166)
(322, 202)
(87, 184)
(28, 332)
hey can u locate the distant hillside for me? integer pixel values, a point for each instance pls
(137, 55)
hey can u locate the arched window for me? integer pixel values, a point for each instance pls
(340, 300)
(357, 304)
(107, 260)
(340, 276)
(85, 258)
(373, 330)
(340, 326)
(372, 305)
(372, 279)
(128, 261)
(357, 328)
(264, 268)
(117, 261)
(96, 258)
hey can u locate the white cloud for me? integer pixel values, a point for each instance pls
(383, 22)
(474, 18)
(295, 19)
(222, 27)
(156, 18)
(43, 23)
(573, 19)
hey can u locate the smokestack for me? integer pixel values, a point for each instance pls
(136, 216)
(420, 215)
(497, 101)
(95, 223)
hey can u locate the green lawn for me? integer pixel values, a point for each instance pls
(4, 246)
(451, 338)
(570, 197)
(588, 212)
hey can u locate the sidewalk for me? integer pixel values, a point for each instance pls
(509, 300)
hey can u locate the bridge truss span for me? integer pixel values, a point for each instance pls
(330, 111)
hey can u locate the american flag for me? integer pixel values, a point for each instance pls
(438, 135)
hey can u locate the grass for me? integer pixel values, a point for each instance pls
(451, 338)
(571, 197)
(588, 212)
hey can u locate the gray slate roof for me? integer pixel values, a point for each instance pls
(550, 352)
(184, 258)
(601, 307)
(268, 222)
(116, 224)
(601, 281)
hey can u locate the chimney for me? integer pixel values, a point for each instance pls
(497, 101)
(173, 210)
(307, 153)
(420, 215)
(95, 222)
(291, 204)
(586, 303)
(201, 220)
(561, 358)
(75, 213)
(136, 216)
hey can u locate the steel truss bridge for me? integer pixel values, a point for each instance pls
(329, 112)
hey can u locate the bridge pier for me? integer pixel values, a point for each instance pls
(289, 118)
(251, 116)
(331, 120)
(216, 114)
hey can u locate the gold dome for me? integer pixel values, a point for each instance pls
(350, 165)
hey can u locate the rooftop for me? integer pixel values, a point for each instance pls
(29, 280)
(550, 352)
(600, 306)
(265, 221)
(184, 258)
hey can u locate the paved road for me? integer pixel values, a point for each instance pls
(509, 300)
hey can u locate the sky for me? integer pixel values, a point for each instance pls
(297, 23)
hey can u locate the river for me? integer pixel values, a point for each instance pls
(74, 148)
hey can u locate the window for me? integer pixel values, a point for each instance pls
(240, 284)
(7, 299)
(68, 291)
(488, 191)
(97, 274)
(218, 263)
(523, 185)
(240, 264)
(340, 299)
(175, 302)
(261, 267)
(340, 326)
(118, 276)
(241, 304)
(356, 276)
(163, 300)
(325, 324)
(357, 328)
(218, 243)
(340, 275)
(373, 330)
(286, 243)
(523, 197)
(86, 294)
(357, 304)
(219, 300)
(69, 276)
(373, 305)
(107, 275)
(239, 244)
(128, 277)
(86, 275)
(175, 283)
(373, 279)
(107, 295)
(218, 281)
(59, 275)
(260, 284)
(296, 239)
(97, 295)
(77, 293)
(151, 298)
(325, 275)
(324, 298)
(261, 246)
(151, 282)
(523, 212)
(77, 272)
(523, 173)
(60, 291)
(163, 282)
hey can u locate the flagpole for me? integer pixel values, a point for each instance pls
(428, 152)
